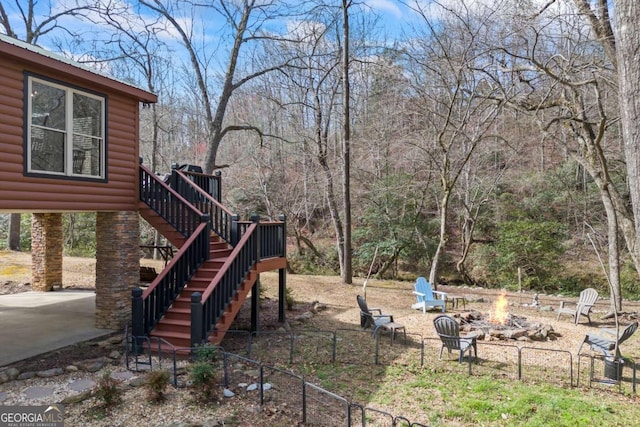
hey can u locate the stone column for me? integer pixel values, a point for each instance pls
(117, 266)
(46, 251)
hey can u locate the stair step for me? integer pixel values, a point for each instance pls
(178, 339)
(188, 292)
(205, 274)
(174, 325)
(198, 284)
(220, 253)
(179, 316)
(181, 304)
(175, 322)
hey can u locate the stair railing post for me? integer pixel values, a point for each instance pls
(137, 318)
(282, 273)
(174, 176)
(235, 229)
(283, 235)
(204, 251)
(255, 218)
(197, 333)
(218, 186)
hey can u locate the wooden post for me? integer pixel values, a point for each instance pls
(255, 305)
(137, 320)
(196, 319)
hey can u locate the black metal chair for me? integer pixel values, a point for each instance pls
(377, 321)
(449, 332)
(605, 342)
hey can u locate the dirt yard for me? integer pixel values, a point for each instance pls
(393, 297)
(339, 311)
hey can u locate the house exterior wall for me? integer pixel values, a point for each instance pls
(21, 193)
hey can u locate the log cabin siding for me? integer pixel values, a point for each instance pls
(40, 193)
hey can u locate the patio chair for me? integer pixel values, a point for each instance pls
(376, 321)
(427, 297)
(605, 342)
(587, 300)
(449, 332)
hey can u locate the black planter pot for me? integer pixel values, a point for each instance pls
(613, 368)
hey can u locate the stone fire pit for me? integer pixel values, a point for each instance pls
(513, 327)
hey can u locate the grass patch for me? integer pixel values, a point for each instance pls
(443, 394)
(444, 399)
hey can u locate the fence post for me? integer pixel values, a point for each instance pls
(335, 344)
(196, 319)
(519, 363)
(261, 384)
(137, 318)
(225, 368)
(304, 402)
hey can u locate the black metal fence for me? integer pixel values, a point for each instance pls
(263, 359)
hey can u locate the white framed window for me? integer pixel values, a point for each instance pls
(65, 131)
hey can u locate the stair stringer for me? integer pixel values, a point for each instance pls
(162, 225)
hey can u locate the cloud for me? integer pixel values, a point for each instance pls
(385, 6)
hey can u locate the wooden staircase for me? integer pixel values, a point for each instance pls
(175, 326)
(221, 272)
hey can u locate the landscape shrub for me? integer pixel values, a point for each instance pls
(525, 254)
(203, 381)
(206, 352)
(156, 384)
(107, 390)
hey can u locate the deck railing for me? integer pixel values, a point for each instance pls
(167, 203)
(211, 184)
(207, 308)
(220, 218)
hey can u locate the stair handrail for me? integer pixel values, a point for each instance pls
(168, 203)
(207, 308)
(166, 287)
(211, 184)
(220, 217)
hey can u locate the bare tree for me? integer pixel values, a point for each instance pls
(455, 111)
(347, 268)
(21, 20)
(246, 20)
(566, 85)
(627, 44)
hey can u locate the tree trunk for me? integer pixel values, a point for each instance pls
(627, 30)
(614, 253)
(347, 272)
(442, 241)
(13, 243)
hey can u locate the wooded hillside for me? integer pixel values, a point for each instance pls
(484, 144)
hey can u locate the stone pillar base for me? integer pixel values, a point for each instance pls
(46, 251)
(117, 266)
